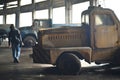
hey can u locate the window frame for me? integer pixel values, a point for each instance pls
(106, 20)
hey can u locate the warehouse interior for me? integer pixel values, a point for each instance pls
(25, 13)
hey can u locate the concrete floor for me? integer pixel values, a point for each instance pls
(22, 71)
(27, 70)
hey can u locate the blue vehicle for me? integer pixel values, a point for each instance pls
(29, 33)
(29, 36)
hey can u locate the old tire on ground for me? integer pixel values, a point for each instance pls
(29, 41)
(68, 64)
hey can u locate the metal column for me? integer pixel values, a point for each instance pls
(68, 11)
(4, 16)
(17, 23)
(50, 9)
(33, 10)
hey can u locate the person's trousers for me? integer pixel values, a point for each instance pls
(16, 51)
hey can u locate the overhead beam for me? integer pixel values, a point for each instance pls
(6, 1)
(39, 6)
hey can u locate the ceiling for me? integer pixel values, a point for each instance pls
(6, 1)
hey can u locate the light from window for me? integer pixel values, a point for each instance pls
(1, 6)
(1, 19)
(42, 14)
(12, 4)
(59, 15)
(113, 4)
(25, 2)
(10, 19)
(25, 19)
(77, 10)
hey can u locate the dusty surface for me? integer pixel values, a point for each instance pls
(27, 70)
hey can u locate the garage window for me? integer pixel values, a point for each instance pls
(1, 19)
(25, 19)
(25, 2)
(11, 19)
(59, 15)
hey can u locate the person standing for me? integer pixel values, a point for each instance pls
(15, 42)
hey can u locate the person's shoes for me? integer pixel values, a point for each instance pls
(16, 61)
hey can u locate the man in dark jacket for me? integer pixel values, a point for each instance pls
(15, 41)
